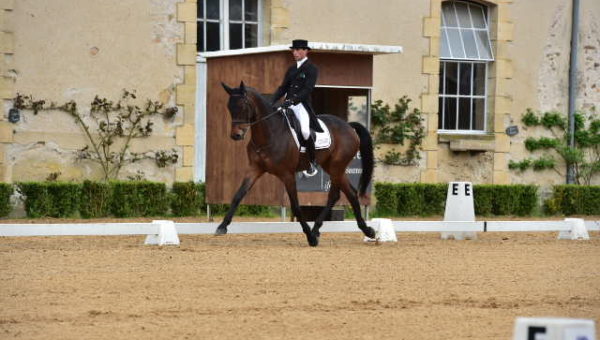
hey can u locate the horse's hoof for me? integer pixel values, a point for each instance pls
(316, 232)
(369, 232)
(221, 231)
(313, 240)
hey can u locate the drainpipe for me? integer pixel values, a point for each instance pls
(573, 84)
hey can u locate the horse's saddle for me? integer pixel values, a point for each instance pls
(322, 139)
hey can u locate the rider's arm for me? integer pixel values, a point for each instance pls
(283, 88)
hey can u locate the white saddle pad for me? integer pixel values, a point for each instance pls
(322, 139)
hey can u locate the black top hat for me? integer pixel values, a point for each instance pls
(300, 44)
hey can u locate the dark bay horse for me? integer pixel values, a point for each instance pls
(272, 149)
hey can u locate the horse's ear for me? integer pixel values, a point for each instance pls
(228, 89)
(242, 87)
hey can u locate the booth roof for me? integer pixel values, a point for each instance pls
(315, 47)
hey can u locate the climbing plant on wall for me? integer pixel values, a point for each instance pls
(110, 127)
(398, 125)
(584, 156)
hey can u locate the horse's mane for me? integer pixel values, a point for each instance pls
(264, 98)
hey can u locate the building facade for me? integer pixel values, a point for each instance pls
(472, 67)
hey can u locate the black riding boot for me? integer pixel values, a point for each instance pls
(309, 144)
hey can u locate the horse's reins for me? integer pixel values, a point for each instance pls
(280, 109)
(250, 124)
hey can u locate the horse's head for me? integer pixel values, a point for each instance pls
(241, 109)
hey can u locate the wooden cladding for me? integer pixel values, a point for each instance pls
(226, 160)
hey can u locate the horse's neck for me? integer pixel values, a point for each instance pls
(270, 128)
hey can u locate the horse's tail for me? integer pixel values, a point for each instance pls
(366, 156)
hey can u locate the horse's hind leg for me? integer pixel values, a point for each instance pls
(332, 198)
(247, 184)
(290, 186)
(350, 192)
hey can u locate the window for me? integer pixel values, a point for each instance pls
(464, 57)
(228, 24)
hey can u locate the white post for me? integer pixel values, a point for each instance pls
(554, 329)
(167, 234)
(459, 207)
(384, 229)
(578, 231)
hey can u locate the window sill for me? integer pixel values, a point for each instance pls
(481, 141)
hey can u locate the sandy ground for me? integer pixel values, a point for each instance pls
(275, 287)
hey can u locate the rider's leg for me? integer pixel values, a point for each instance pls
(302, 116)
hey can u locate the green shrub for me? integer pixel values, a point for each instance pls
(139, 198)
(570, 199)
(434, 199)
(50, 199)
(387, 199)
(417, 199)
(408, 199)
(187, 198)
(254, 210)
(483, 198)
(95, 199)
(6, 191)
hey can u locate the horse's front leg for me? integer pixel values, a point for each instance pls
(247, 184)
(290, 187)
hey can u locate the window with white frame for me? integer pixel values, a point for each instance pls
(465, 54)
(228, 24)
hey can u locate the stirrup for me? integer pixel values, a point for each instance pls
(313, 171)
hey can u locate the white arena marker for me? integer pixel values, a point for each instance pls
(459, 207)
(578, 230)
(384, 231)
(554, 329)
(167, 234)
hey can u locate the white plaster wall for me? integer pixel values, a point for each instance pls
(67, 50)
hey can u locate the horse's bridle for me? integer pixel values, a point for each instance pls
(249, 121)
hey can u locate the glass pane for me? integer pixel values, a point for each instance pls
(212, 9)
(251, 10)
(478, 114)
(235, 36)
(357, 109)
(455, 43)
(213, 36)
(451, 78)
(465, 78)
(200, 9)
(483, 45)
(450, 114)
(470, 47)
(445, 49)
(464, 114)
(462, 10)
(441, 112)
(251, 35)
(477, 15)
(449, 17)
(479, 79)
(235, 9)
(200, 33)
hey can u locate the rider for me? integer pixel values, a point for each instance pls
(298, 84)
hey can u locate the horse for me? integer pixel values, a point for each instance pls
(272, 149)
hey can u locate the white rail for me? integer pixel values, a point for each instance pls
(89, 229)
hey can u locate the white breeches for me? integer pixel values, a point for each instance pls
(302, 116)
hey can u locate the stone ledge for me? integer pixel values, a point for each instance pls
(472, 145)
(466, 142)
